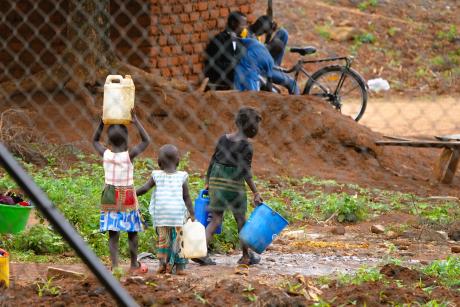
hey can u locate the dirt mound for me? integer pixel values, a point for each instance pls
(300, 136)
(408, 276)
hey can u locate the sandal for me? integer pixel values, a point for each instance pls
(141, 269)
(204, 261)
(253, 259)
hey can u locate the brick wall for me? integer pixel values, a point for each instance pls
(180, 30)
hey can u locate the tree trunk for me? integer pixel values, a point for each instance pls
(89, 54)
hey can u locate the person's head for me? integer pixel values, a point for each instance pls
(118, 135)
(168, 157)
(236, 22)
(247, 120)
(262, 25)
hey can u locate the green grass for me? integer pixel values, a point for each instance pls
(447, 271)
(76, 190)
(361, 276)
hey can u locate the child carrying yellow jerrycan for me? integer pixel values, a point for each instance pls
(4, 269)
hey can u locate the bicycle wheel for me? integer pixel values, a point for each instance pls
(350, 99)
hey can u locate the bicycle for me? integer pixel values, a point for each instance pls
(334, 83)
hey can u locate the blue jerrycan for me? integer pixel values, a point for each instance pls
(202, 214)
(262, 227)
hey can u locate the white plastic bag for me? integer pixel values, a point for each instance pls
(194, 240)
(378, 85)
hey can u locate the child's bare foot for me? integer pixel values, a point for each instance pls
(181, 272)
(140, 270)
(250, 259)
(161, 269)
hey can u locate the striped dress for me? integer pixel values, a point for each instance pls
(167, 205)
(119, 206)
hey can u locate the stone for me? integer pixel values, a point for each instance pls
(392, 234)
(454, 232)
(59, 273)
(455, 249)
(338, 230)
(377, 229)
(342, 34)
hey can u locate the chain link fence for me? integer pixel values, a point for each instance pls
(56, 55)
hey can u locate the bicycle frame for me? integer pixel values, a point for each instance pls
(298, 68)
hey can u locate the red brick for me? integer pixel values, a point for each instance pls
(212, 23)
(162, 62)
(165, 72)
(163, 40)
(184, 18)
(166, 29)
(187, 70)
(166, 51)
(174, 61)
(165, 20)
(153, 62)
(201, 6)
(183, 39)
(154, 20)
(229, 3)
(176, 49)
(204, 36)
(188, 8)
(188, 48)
(166, 9)
(212, 4)
(177, 29)
(214, 13)
(199, 26)
(155, 71)
(154, 30)
(188, 28)
(155, 10)
(177, 8)
(198, 48)
(195, 58)
(194, 16)
(197, 68)
(195, 37)
(222, 3)
(154, 51)
(245, 9)
(204, 15)
(223, 12)
(176, 71)
(221, 23)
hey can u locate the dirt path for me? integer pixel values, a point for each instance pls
(422, 116)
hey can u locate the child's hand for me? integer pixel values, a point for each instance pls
(257, 199)
(192, 217)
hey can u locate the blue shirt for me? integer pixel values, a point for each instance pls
(256, 61)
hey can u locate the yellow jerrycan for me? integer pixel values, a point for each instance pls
(118, 99)
(193, 240)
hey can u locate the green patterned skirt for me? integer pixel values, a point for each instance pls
(227, 189)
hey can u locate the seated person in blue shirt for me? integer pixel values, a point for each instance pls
(255, 62)
(276, 45)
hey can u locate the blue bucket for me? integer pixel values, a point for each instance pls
(202, 214)
(262, 227)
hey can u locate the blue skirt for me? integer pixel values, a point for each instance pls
(121, 221)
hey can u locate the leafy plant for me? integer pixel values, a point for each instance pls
(199, 298)
(39, 239)
(347, 208)
(47, 288)
(251, 297)
(366, 38)
(364, 5)
(448, 271)
(362, 275)
(449, 34)
(324, 31)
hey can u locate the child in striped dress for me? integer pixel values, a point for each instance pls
(168, 207)
(119, 206)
